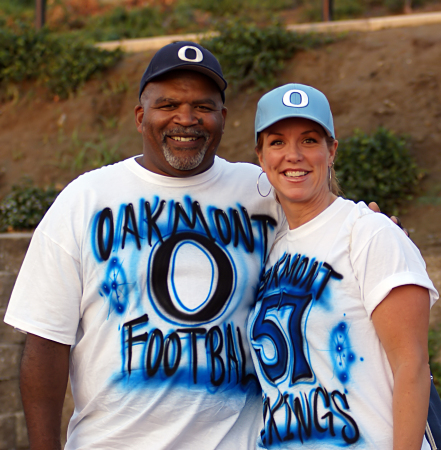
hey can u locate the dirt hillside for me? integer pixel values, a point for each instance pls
(389, 77)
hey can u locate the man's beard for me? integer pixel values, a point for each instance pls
(182, 161)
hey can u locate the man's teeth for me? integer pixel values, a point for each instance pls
(295, 173)
(183, 139)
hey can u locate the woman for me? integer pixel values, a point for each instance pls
(339, 331)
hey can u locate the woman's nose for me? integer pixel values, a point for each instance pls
(293, 153)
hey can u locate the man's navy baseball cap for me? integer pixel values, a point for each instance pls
(184, 55)
(294, 100)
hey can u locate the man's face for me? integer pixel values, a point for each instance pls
(182, 119)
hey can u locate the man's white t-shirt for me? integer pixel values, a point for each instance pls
(150, 279)
(325, 376)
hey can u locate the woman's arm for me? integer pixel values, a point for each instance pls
(402, 322)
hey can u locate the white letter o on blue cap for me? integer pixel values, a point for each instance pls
(304, 100)
(181, 54)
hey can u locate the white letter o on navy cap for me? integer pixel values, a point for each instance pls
(181, 54)
(303, 102)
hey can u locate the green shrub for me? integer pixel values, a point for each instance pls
(378, 168)
(25, 206)
(342, 9)
(394, 6)
(251, 56)
(121, 23)
(61, 64)
(223, 8)
(127, 23)
(82, 155)
(17, 8)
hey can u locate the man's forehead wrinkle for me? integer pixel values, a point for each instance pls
(205, 100)
(165, 99)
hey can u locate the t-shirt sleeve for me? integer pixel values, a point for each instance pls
(383, 258)
(47, 293)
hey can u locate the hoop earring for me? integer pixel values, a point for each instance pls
(258, 188)
(330, 176)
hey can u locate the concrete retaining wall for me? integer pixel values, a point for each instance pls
(13, 433)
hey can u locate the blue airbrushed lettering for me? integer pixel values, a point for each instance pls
(300, 274)
(287, 292)
(162, 356)
(148, 234)
(316, 415)
(155, 220)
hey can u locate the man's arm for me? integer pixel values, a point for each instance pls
(43, 380)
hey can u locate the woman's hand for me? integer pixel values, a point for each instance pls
(402, 324)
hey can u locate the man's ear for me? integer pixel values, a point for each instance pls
(224, 116)
(139, 116)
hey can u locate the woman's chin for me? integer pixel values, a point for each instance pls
(299, 195)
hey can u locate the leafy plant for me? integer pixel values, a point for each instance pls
(121, 23)
(61, 64)
(224, 8)
(17, 8)
(342, 9)
(126, 23)
(251, 57)
(377, 167)
(25, 206)
(84, 155)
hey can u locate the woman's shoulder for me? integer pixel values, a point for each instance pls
(358, 217)
(366, 219)
(377, 232)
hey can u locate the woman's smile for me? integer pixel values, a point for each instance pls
(295, 174)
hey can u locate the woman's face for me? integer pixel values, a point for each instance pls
(296, 158)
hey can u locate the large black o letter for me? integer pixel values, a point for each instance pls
(105, 249)
(160, 270)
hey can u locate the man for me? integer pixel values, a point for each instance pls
(140, 278)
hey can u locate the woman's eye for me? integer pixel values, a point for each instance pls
(276, 142)
(310, 140)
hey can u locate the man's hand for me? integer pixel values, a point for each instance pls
(43, 381)
(376, 208)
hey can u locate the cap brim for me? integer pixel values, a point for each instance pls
(293, 116)
(220, 82)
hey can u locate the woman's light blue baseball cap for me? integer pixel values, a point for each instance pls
(294, 100)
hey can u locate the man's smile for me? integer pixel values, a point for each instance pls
(183, 139)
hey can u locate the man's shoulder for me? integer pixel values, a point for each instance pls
(98, 177)
(239, 169)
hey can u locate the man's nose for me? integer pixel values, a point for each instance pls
(186, 116)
